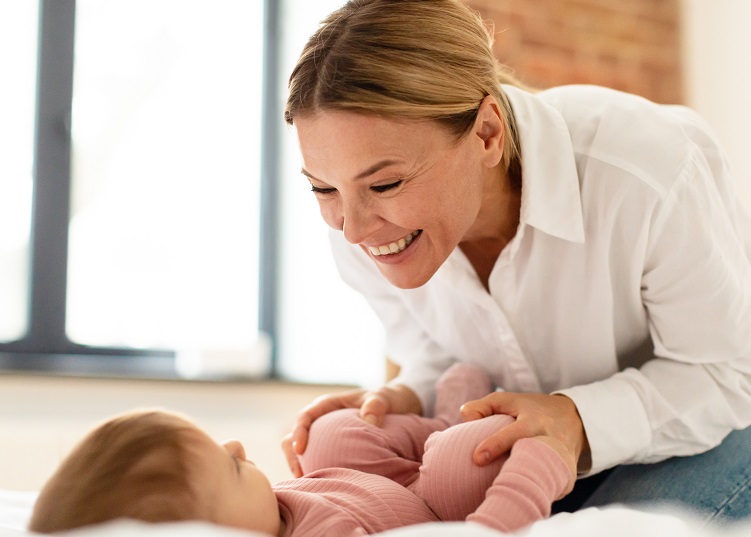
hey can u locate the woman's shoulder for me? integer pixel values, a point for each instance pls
(597, 100)
(626, 115)
(616, 115)
(640, 137)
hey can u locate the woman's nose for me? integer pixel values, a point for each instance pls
(235, 448)
(358, 222)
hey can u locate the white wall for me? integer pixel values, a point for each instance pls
(717, 48)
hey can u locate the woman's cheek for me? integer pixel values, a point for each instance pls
(331, 214)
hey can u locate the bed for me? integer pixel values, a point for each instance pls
(15, 508)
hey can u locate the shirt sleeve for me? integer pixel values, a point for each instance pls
(696, 291)
(422, 361)
(532, 478)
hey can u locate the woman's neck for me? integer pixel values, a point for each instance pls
(495, 226)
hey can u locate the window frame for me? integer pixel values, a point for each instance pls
(46, 347)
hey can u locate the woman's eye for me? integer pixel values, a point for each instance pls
(384, 188)
(320, 190)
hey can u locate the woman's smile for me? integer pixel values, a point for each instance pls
(394, 247)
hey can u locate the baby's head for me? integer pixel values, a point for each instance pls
(155, 466)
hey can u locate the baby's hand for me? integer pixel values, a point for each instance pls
(565, 454)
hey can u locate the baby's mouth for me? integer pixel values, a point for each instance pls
(394, 247)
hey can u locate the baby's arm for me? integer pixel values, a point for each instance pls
(533, 477)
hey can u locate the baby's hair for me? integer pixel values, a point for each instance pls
(131, 466)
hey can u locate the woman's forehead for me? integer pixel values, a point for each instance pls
(352, 143)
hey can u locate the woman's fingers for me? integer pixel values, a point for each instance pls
(291, 455)
(498, 443)
(373, 405)
(300, 435)
(320, 406)
(374, 408)
(491, 404)
(296, 442)
(536, 414)
(390, 399)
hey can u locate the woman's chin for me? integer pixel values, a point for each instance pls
(404, 278)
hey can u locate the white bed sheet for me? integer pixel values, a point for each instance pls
(15, 508)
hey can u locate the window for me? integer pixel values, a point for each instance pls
(165, 174)
(144, 240)
(166, 221)
(18, 35)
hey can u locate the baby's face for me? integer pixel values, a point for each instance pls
(239, 494)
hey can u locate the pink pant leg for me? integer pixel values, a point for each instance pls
(449, 481)
(342, 439)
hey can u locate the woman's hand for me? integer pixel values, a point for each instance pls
(536, 414)
(373, 405)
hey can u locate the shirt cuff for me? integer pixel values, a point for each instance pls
(614, 420)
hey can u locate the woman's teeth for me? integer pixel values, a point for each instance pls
(394, 247)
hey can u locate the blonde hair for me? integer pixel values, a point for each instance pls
(132, 466)
(404, 59)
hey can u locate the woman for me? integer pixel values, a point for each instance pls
(582, 245)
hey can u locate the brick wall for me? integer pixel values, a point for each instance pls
(631, 45)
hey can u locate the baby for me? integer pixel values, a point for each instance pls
(360, 479)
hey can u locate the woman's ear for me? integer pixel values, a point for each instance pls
(489, 129)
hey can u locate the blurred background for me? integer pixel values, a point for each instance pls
(151, 205)
(153, 220)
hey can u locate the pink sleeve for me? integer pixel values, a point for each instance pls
(532, 478)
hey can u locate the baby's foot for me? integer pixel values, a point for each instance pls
(460, 383)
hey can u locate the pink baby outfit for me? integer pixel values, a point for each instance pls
(361, 479)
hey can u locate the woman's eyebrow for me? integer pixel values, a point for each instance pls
(375, 168)
(378, 166)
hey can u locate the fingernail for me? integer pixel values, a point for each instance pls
(485, 456)
(369, 418)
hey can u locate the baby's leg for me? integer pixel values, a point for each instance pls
(460, 383)
(449, 481)
(342, 439)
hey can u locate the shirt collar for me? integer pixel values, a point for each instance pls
(551, 200)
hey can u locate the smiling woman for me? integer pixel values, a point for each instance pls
(585, 265)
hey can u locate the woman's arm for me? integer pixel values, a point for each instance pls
(696, 292)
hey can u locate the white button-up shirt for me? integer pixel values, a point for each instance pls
(627, 286)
